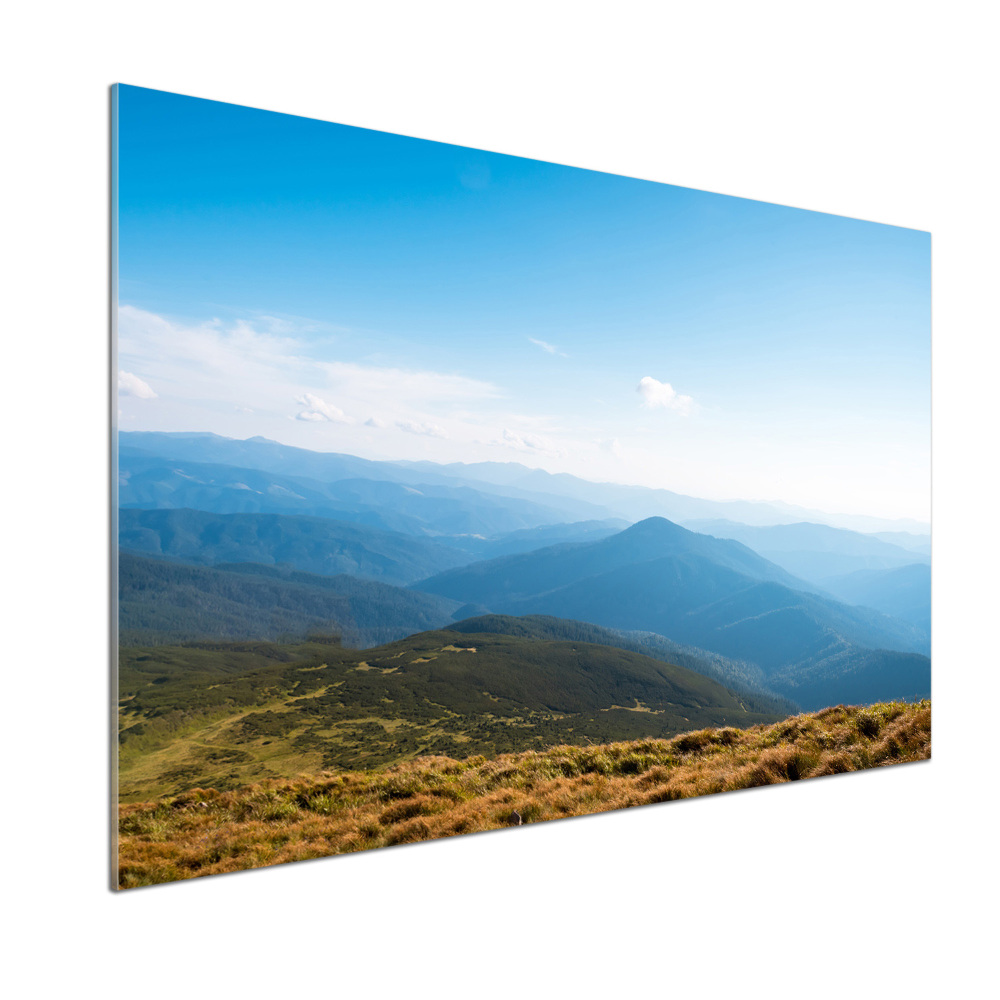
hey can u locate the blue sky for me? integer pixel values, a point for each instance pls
(350, 290)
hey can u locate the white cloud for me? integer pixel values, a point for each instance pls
(260, 365)
(317, 409)
(194, 356)
(132, 385)
(375, 422)
(425, 429)
(547, 347)
(612, 445)
(658, 395)
(523, 442)
(526, 441)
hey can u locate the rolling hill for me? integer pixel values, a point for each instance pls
(308, 544)
(743, 678)
(168, 602)
(224, 714)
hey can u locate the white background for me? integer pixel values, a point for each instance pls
(875, 884)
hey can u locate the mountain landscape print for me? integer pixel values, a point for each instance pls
(457, 491)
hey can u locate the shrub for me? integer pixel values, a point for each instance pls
(868, 723)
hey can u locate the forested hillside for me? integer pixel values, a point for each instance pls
(310, 544)
(225, 714)
(170, 602)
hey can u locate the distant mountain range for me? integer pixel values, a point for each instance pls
(544, 570)
(903, 592)
(709, 593)
(508, 540)
(576, 499)
(426, 510)
(639, 502)
(814, 552)
(869, 570)
(920, 543)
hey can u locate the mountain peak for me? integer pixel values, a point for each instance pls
(655, 526)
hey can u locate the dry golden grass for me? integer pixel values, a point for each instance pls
(206, 832)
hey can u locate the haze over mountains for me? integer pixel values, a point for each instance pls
(815, 611)
(904, 592)
(577, 499)
(887, 571)
(639, 502)
(428, 509)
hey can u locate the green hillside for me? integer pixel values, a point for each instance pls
(169, 602)
(309, 544)
(741, 677)
(226, 714)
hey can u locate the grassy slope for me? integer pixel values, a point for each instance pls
(228, 714)
(205, 832)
